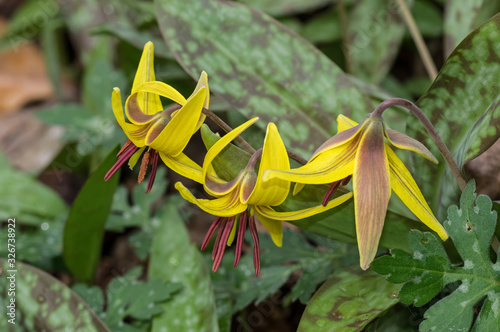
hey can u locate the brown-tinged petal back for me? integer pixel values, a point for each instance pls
(402, 141)
(372, 189)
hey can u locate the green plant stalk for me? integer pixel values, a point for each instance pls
(430, 129)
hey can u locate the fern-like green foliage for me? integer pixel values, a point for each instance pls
(428, 270)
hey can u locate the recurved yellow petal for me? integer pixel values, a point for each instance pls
(329, 166)
(202, 82)
(230, 239)
(402, 141)
(274, 227)
(134, 112)
(220, 145)
(149, 103)
(405, 187)
(274, 156)
(344, 123)
(162, 89)
(372, 189)
(135, 157)
(270, 213)
(135, 133)
(297, 188)
(183, 165)
(173, 138)
(218, 187)
(225, 206)
(343, 138)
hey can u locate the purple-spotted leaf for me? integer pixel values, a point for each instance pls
(460, 97)
(261, 68)
(460, 18)
(285, 7)
(348, 302)
(42, 303)
(375, 31)
(478, 139)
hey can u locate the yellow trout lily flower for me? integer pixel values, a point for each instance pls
(158, 132)
(248, 197)
(360, 151)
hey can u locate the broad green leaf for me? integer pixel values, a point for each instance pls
(460, 18)
(230, 161)
(261, 68)
(26, 22)
(323, 28)
(175, 259)
(477, 139)
(26, 199)
(428, 270)
(43, 303)
(128, 297)
(428, 18)
(375, 31)
(285, 7)
(348, 302)
(464, 89)
(50, 46)
(84, 228)
(134, 36)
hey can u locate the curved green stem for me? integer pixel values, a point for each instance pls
(430, 129)
(244, 144)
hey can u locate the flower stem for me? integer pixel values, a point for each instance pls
(298, 158)
(419, 41)
(430, 129)
(244, 144)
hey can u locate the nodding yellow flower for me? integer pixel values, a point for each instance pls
(154, 132)
(360, 151)
(247, 198)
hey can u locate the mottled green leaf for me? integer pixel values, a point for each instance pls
(460, 18)
(26, 199)
(481, 136)
(285, 7)
(261, 68)
(133, 36)
(428, 270)
(464, 89)
(375, 31)
(348, 302)
(84, 228)
(43, 303)
(175, 259)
